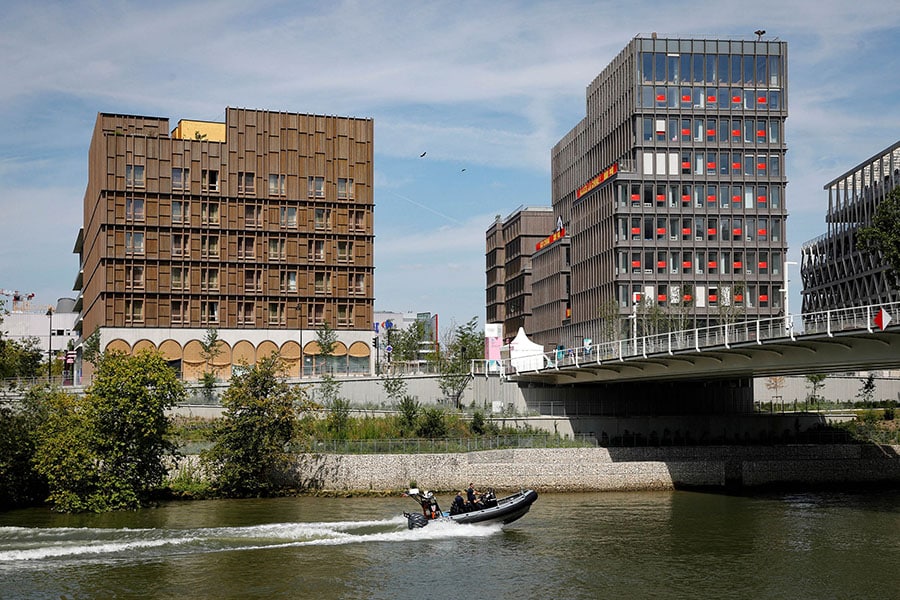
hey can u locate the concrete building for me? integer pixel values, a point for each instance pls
(671, 192)
(260, 227)
(836, 273)
(50, 327)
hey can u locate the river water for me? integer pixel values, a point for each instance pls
(623, 545)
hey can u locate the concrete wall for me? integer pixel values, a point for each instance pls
(606, 469)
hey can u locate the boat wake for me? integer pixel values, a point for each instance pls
(21, 547)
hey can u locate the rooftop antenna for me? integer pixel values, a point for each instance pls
(759, 33)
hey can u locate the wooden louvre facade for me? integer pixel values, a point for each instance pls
(261, 223)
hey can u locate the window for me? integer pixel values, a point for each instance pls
(209, 180)
(276, 249)
(317, 250)
(246, 247)
(323, 218)
(180, 211)
(276, 313)
(252, 216)
(316, 187)
(276, 185)
(288, 216)
(323, 283)
(344, 315)
(209, 312)
(345, 251)
(180, 278)
(181, 178)
(359, 284)
(134, 311)
(246, 182)
(357, 220)
(179, 244)
(179, 311)
(134, 277)
(209, 213)
(209, 246)
(317, 314)
(134, 242)
(209, 280)
(288, 281)
(134, 209)
(245, 313)
(252, 280)
(134, 175)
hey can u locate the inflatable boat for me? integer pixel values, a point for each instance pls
(486, 510)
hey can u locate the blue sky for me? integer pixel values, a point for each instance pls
(488, 87)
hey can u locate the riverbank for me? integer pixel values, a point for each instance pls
(606, 469)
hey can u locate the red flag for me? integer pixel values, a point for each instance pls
(883, 319)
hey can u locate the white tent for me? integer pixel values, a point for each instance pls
(524, 354)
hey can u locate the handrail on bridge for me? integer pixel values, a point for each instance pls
(725, 335)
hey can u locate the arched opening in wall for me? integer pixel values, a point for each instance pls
(266, 348)
(358, 358)
(141, 345)
(193, 363)
(337, 362)
(312, 359)
(290, 356)
(172, 352)
(243, 356)
(118, 345)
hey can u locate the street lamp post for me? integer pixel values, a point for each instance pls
(786, 290)
(50, 347)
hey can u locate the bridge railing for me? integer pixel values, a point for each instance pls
(718, 336)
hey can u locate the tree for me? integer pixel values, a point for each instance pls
(406, 343)
(210, 349)
(464, 345)
(252, 452)
(327, 339)
(91, 347)
(432, 423)
(866, 392)
(775, 383)
(105, 450)
(816, 382)
(20, 484)
(409, 408)
(883, 236)
(394, 386)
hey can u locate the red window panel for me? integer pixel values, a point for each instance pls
(660, 231)
(711, 99)
(686, 132)
(686, 98)
(636, 264)
(763, 297)
(660, 197)
(688, 297)
(761, 166)
(761, 232)
(711, 231)
(761, 100)
(712, 264)
(686, 164)
(737, 167)
(711, 165)
(635, 196)
(660, 97)
(738, 264)
(761, 199)
(661, 264)
(736, 231)
(685, 198)
(713, 297)
(738, 297)
(686, 231)
(635, 230)
(761, 133)
(711, 132)
(736, 99)
(711, 198)
(686, 264)
(763, 264)
(736, 199)
(661, 297)
(736, 133)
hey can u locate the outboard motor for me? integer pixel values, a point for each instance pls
(415, 520)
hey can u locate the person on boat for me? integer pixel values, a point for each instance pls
(430, 506)
(473, 497)
(459, 504)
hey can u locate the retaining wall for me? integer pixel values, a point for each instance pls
(606, 469)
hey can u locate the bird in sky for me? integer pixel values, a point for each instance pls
(423, 154)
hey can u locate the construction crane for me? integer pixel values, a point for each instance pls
(21, 301)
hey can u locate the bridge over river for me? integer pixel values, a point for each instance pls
(853, 339)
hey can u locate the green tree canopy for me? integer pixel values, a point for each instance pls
(105, 450)
(252, 452)
(464, 345)
(883, 236)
